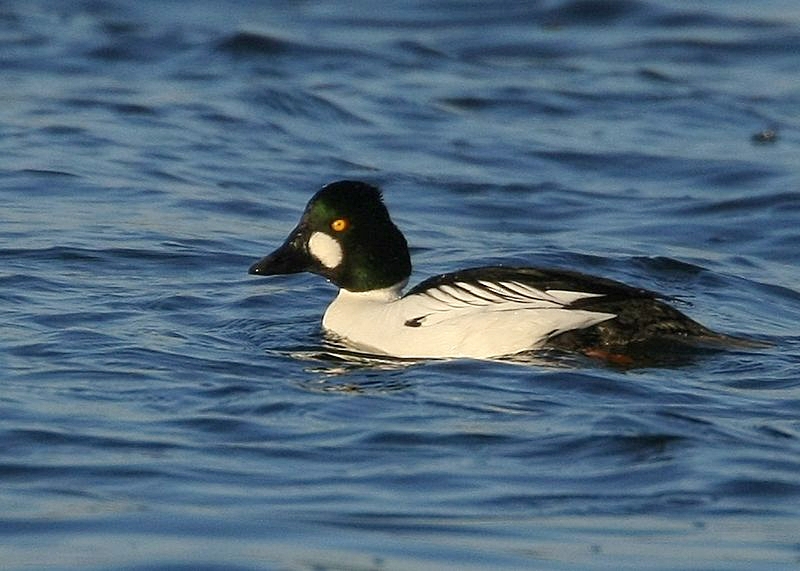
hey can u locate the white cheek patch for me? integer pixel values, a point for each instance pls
(325, 249)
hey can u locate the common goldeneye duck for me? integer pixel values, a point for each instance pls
(347, 236)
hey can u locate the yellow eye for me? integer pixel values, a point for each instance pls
(340, 225)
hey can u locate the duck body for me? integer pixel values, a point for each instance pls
(346, 235)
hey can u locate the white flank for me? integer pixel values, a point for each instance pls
(325, 249)
(459, 320)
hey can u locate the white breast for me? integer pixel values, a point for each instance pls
(478, 320)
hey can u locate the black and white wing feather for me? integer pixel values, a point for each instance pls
(625, 315)
(507, 288)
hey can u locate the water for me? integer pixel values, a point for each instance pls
(161, 409)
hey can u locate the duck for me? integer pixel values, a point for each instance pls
(346, 235)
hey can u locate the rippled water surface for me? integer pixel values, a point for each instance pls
(161, 409)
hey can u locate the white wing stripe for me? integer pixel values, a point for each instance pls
(523, 292)
(505, 293)
(464, 297)
(480, 293)
(460, 295)
(566, 297)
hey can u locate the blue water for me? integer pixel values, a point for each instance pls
(162, 410)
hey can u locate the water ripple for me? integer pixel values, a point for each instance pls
(156, 395)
